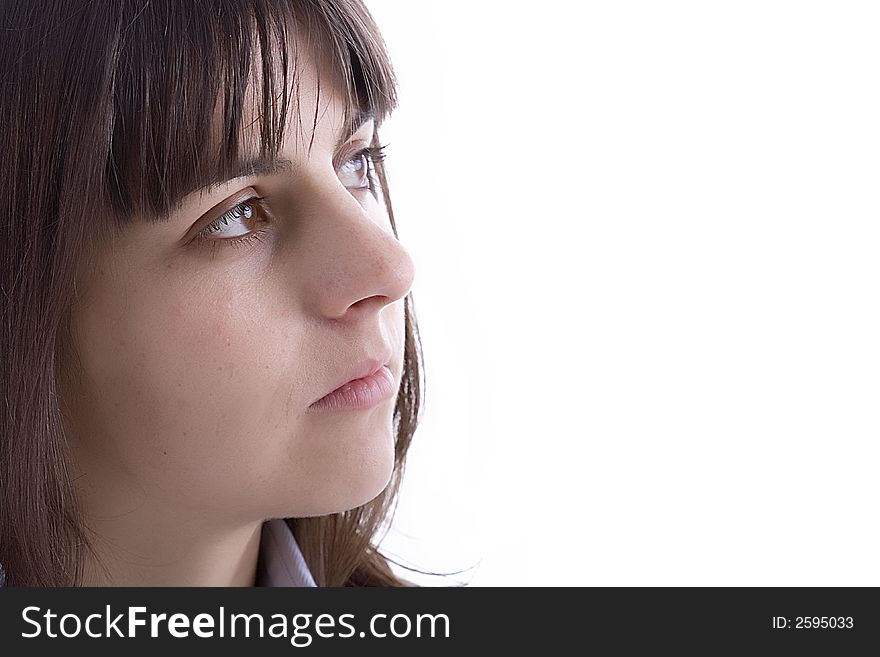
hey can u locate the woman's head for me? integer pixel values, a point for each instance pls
(208, 249)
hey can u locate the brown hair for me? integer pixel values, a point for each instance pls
(109, 105)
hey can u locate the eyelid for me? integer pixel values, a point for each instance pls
(218, 211)
(351, 148)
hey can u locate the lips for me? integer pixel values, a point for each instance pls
(359, 394)
(363, 369)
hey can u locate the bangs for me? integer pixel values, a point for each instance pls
(179, 84)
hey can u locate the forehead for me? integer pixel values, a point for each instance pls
(317, 102)
(195, 109)
(317, 116)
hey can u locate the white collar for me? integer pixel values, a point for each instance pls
(280, 562)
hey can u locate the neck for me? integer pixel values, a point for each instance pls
(132, 553)
(139, 540)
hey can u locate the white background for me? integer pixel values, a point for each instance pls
(646, 240)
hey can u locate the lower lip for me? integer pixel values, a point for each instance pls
(359, 394)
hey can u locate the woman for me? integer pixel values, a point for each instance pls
(211, 367)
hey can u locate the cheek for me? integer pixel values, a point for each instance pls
(184, 393)
(198, 400)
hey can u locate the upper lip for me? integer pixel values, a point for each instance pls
(361, 369)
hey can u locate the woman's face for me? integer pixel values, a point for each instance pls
(200, 358)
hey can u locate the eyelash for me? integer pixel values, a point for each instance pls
(374, 154)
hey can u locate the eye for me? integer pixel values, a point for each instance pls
(357, 171)
(235, 227)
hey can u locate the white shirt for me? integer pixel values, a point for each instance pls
(280, 562)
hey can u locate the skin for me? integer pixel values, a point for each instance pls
(189, 423)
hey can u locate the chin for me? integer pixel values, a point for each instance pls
(343, 488)
(368, 486)
(366, 476)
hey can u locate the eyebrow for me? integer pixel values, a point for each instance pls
(263, 166)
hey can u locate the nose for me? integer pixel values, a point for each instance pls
(352, 262)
